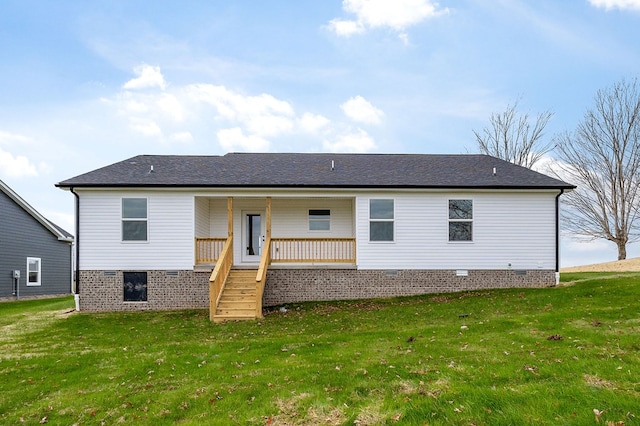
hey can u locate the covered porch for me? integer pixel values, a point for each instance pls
(266, 232)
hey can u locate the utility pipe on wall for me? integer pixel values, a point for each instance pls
(77, 241)
(558, 236)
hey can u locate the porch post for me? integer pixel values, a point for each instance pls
(229, 216)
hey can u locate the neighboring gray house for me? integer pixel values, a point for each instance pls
(39, 250)
(243, 230)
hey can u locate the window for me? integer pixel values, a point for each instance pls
(381, 220)
(33, 271)
(135, 286)
(460, 220)
(319, 220)
(134, 219)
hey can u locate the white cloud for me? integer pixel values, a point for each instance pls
(146, 127)
(240, 122)
(148, 78)
(345, 28)
(263, 115)
(16, 167)
(312, 123)
(360, 110)
(128, 103)
(397, 15)
(171, 106)
(616, 4)
(358, 141)
(44, 167)
(235, 140)
(182, 137)
(7, 138)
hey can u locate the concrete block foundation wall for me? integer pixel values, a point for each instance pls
(103, 290)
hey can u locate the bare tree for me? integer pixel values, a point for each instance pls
(602, 157)
(512, 137)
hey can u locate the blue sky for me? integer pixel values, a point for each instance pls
(89, 83)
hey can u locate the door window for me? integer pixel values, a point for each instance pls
(254, 234)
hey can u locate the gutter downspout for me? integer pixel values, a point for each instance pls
(77, 240)
(558, 236)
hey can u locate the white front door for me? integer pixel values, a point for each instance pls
(253, 231)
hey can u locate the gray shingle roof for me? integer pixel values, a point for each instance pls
(296, 170)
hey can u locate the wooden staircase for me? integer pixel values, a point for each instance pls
(238, 301)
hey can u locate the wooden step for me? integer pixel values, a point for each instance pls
(245, 313)
(224, 318)
(240, 287)
(249, 273)
(237, 304)
(238, 299)
(242, 280)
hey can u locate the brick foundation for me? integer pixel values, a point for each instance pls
(103, 291)
(100, 291)
(289, 286)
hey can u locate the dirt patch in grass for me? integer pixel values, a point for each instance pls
(370, 415)
(289, 410)
(28, 323)
(628, 265)
(598, 382)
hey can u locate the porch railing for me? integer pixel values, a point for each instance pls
(288, 250)
(219, 276)
(313, 250)
(208, 249)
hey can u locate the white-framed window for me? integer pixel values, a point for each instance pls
(134, 219)
(34, 276)
(460, 220)
(381, 220)
(319, 219)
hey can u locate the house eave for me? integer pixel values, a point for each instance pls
(303, 187)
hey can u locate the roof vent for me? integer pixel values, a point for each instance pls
(333, 165)
(494, 170)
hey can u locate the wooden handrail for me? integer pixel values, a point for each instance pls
(219, 276)
(310, 250)
(261, 276)
(208, 249)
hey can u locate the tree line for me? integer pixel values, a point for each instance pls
(601, 156)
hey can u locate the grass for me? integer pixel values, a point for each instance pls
(504, 357)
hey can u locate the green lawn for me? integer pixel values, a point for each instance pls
(505, 357)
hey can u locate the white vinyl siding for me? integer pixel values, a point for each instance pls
(290, 217)
(170, 224)
(202, 221)
(510, 230)
(218, 217)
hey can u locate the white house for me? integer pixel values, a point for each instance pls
(243, 230)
